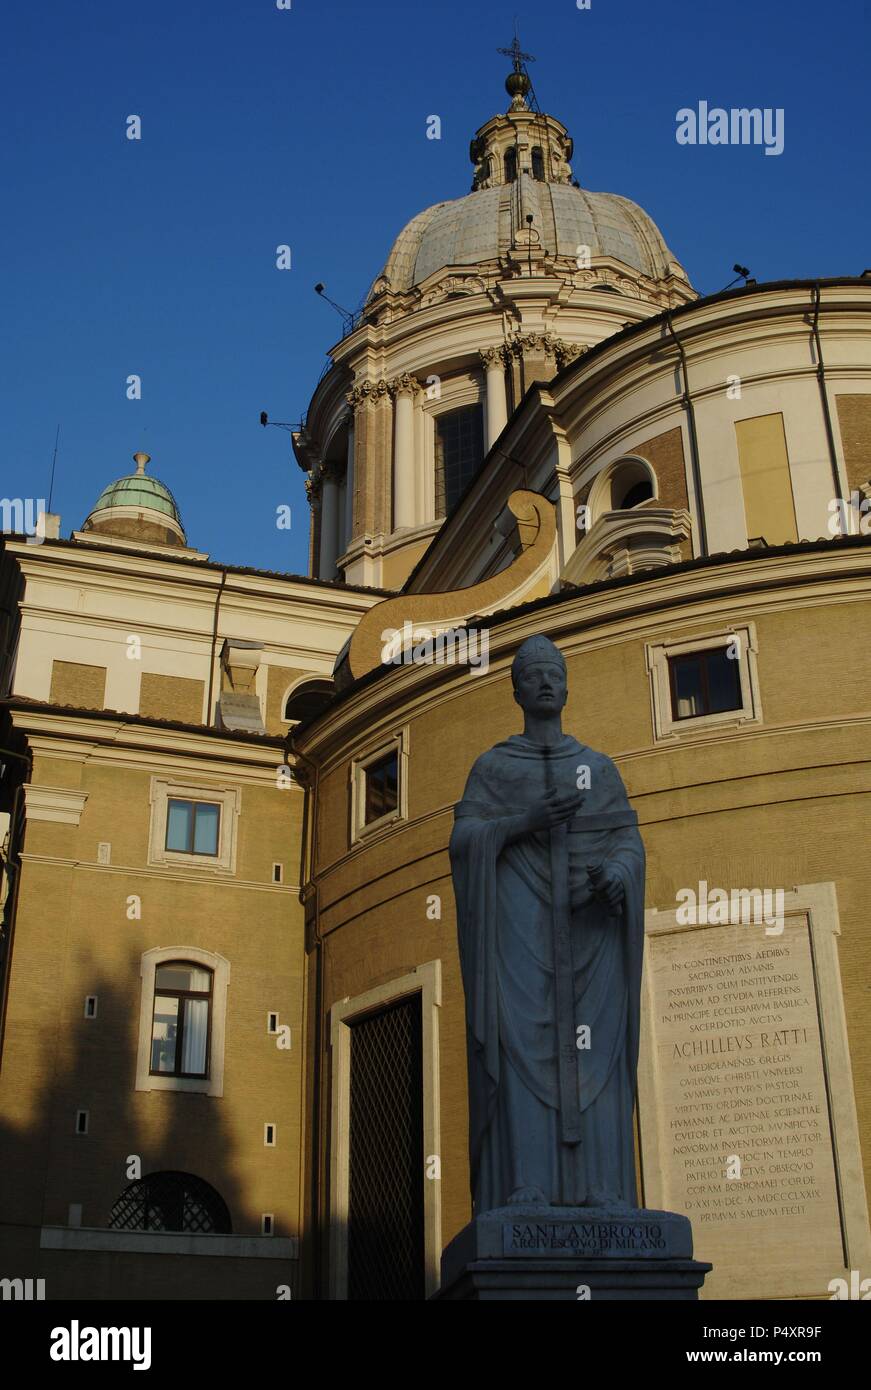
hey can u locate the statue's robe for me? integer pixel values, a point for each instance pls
(505, 927)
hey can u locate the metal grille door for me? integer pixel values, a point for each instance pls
(386, 1175)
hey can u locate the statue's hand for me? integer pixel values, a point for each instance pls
(608, 887)
(553, 808)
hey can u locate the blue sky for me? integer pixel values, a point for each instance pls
(308, 127)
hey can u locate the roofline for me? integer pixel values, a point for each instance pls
(623, 581)
(25, 703)
(331, 584)
(624, 335)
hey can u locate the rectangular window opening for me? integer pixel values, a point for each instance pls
(381, 782)
(91, 1006)
(192, 827)
(705, 682)
(459, 453)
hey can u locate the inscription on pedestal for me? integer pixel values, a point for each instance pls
(625, 1238)
(744, 1141)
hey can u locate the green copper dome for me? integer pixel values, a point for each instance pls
(136, 490)
(138, 507)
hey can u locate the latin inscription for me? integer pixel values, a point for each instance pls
(745, 1137)
(583, 1238)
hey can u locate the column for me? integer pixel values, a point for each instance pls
(329, 523)
(349, 491)
(495, 401)
(403, 390)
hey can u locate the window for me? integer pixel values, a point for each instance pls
(459, 453)
(182, 1020)
(171, 1202)
(192, 827)
(307, 700)
(180, 1026)
(382, 786)
(379, 787)
(510, 165)
(705, 682)
(538, 163)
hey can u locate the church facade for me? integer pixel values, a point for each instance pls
(535, 426)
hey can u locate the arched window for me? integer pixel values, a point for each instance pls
(627, 484)
(307, 700)
(538, 163)
(181, 1021)
(510, 164)
(171, 1202)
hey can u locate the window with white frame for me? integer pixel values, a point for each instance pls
(705, 682)
(194, 826)
(182, 1020)
(379, 787)
(180, 1026)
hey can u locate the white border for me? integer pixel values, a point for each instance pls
(665, 726)
(213, 1084)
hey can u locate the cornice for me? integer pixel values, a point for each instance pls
(807, 572)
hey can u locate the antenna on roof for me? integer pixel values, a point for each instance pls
(53, 462)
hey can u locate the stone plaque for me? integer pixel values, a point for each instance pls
(735, 1106)
(626, 1238)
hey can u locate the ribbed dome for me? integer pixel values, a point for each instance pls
(478, 228)
(137, 490)
(137, 507)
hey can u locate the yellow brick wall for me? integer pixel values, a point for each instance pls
(171, 697)
(769, 507)
(664, 452)
(854, 417)
(73, 683)
(74, 938)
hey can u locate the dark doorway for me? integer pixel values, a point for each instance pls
(386, 1250)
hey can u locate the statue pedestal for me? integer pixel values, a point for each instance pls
(535, 1252)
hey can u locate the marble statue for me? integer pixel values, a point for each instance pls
(548, 873)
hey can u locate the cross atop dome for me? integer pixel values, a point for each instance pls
(518, 82)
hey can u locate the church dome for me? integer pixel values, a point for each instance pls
(481, 227)
(138, 507)
(526, 206)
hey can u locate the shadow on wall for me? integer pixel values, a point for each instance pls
(47, 1167)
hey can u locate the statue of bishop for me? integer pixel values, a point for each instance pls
(548, 874)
